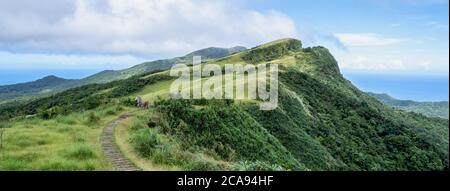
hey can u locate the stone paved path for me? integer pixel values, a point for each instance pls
(111, 150)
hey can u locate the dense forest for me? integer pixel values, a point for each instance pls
(430, 109)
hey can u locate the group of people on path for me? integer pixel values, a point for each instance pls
(140, 103)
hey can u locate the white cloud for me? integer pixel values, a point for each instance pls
(366, 39)
(392, 59)
(142, 27)
(372, 63)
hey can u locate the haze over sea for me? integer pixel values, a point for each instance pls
(13, 76)
(417, 87)
(400, 86)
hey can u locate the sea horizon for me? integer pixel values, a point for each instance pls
(403, 86)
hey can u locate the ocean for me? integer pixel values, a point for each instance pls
(402, 86)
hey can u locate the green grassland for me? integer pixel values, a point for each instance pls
(70, 142)
(322, 122)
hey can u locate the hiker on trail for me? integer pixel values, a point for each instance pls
(145, 105)
(138, 100)
(140, 103)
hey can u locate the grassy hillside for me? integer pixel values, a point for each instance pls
(322, 122)
(431, 109)
(51, 84)
(64, 142)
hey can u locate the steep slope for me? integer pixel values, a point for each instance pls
(322, 121)
(431, 109)
(52, 84)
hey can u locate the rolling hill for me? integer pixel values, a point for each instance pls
(431, 109)
(41, 86)
(322, 122)
(52, 84)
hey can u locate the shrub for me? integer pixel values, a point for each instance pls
(256, 166)
(144, 141)
(70, 120)
(110, 112)
(127, 102)
(151, 124)
(92, 102)
(118, 108)
(137, 125)
(52, 112)
(163, 155)
(93, 118)
(201, 165)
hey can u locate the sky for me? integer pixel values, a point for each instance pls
(374, 36)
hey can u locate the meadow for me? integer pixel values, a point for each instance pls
(66, 142)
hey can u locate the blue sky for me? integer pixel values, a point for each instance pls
(387, 36)
(375, 36)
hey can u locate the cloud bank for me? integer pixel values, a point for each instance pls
(137, 27)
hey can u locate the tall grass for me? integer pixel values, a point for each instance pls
(65, 142)
(145, 141)
(81, 152)
(163, 150)
(92, 118)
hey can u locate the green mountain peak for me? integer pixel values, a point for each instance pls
(215, 52)
(272, 50)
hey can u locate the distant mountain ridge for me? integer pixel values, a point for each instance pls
(52, 84)
(214, 52)
(431, 109)
(40, 86)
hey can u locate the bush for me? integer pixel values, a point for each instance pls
(144, 141)
(201, 165)
(137, 125)
(151, 124)
(70, 120)
(92, 102)
(127, 102)
(93, 118)
(110, 112)
(256, 166)
(52, 112)
(118, 108)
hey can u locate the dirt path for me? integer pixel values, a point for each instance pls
(110, 148)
